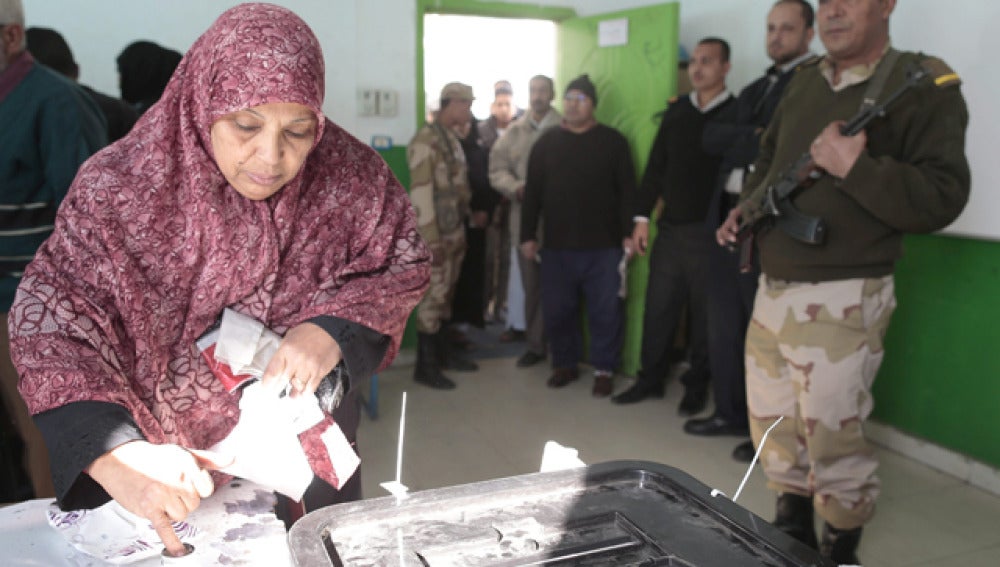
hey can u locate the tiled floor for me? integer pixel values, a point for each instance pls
(498, 419)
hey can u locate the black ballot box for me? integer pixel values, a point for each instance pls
(621, 513)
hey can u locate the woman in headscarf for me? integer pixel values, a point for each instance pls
(144, 69)
(234, 191)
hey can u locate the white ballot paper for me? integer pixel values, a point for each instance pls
(265, 442)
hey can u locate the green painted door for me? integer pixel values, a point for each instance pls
(634, 82)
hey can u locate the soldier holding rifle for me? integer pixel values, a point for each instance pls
(821, 312)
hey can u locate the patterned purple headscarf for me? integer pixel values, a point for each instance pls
(151, 243)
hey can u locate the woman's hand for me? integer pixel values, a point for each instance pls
(305, 356)
(162, 483)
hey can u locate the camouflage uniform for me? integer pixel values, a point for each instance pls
(815, 343)
(813, 350)
(439, 190)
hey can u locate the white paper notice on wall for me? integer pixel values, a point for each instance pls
(612, 32)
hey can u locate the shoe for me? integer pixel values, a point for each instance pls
(714, 425)
(512, 336)
(603, 384)
(460, 341)
(427, 370)
(640, 391)
(449, 358)
(437, 381)
(693, 402)
(459, 363)
(529, 359)
(840, 545)
(744, 452)
(562, 376)
(793, 514)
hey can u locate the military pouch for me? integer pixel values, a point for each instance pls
(447, 209)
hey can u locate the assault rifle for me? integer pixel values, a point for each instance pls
(775, 205)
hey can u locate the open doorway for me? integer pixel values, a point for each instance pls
(480, 51)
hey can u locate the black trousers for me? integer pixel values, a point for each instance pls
(730, 306)
(678, 275)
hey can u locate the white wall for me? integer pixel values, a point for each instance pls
(371, 44)
(367, 43)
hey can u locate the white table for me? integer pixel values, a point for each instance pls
(236, 525)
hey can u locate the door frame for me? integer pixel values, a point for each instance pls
(474, 8)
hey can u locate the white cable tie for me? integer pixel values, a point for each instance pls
(395, 487)
(756, 455)
(399, 449)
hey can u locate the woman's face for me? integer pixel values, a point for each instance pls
(262, 148)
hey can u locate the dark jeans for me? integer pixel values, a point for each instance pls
(568, 275)
(678, 275)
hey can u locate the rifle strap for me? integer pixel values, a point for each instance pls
(878, 79)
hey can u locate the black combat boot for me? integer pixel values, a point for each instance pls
(794, 516)
(428, 371)
(449, 357)
(840, 545)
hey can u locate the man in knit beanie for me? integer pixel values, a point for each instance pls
(580, 183)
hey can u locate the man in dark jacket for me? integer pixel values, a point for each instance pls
(735, 136)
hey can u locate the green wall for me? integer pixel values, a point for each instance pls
(941, 377)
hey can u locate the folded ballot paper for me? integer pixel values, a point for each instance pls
(266, 442)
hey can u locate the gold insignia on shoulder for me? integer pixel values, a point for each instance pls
(947, 79)
(942, 74)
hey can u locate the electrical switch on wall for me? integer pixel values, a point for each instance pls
(367, 102)
(387, 102)
(378, 102)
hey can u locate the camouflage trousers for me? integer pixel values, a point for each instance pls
(812, 352)
(435, 306)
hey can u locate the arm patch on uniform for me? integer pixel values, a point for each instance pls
(942, 74)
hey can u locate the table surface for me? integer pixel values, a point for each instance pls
(236, 526)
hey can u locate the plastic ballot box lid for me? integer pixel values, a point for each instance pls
(618, 513)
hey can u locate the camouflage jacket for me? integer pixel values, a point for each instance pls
(439, 182)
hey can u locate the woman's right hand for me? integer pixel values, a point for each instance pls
(162, 483)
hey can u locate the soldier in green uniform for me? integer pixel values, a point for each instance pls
(439, 189)
(816, 337)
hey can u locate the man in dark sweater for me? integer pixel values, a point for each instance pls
(682, 173)
(580, 181)
(735, 136)
(821, 312)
